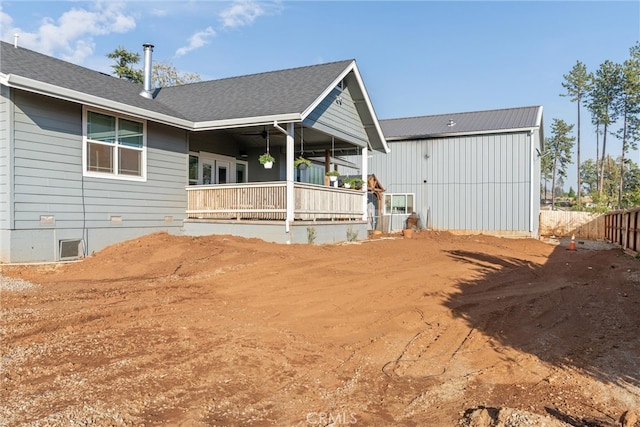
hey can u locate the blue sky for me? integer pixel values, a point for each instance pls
(416, 58)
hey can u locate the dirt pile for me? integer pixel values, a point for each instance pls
(436, 330)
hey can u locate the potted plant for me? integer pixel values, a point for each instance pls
(357, 183)
(333, 175)
(301, 163)
(266, 160)
(347, 182)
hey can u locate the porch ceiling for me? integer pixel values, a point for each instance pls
(315, 142)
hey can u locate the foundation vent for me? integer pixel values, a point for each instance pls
(70, 249)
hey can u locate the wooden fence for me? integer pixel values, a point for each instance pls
(583, 225)
(621, 228)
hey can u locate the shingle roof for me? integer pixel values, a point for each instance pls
(272, 93)
(462, 123)
(276, 92)
(46, 69)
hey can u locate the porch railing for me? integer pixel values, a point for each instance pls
(268, 201)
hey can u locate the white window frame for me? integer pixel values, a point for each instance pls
(246, 170)
(384, 205)
(113, 175)
(232, 162)
(197, 156)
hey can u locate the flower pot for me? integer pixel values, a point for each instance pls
(268, 165)
(333, 178)
(347, 185)
(407, 233)
(302, 166)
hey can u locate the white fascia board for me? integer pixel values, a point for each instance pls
(58, 92)
(349, 68)
(539, 122)
(367, 100)
(35, 86)
(248, 121)
(539, 117)
(328, 90)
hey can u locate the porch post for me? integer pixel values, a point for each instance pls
(290, 190)
(365, 180)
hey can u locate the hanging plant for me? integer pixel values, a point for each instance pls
(302, 163)
(266, 160)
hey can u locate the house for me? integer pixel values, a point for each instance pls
(474, 172)
(88, 160)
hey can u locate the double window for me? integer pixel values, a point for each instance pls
(398, 203)
(114, 146)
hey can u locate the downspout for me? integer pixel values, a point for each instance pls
(289, 174)
(365, 180)
(532, 160)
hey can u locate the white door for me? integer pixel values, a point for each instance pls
(214, 170)
(222, 172)
(207, 171)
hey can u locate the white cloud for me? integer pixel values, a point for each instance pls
(159, 12)
(71, 35)
(241, 13)
(196, 41)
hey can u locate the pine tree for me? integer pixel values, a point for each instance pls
(559, 145)
(578, 84)
(627, 106)
(124, 65)
(603, 94)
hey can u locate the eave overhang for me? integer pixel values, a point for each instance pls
(454, 134)
(35, 86)
(370, 122)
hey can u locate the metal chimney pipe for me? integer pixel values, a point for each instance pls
(148, 49)
(15, 40)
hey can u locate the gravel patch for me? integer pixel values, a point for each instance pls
(591, 245)
(11, 284)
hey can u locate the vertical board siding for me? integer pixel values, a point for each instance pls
(476, 183)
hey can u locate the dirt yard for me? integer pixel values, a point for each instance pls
(437, 330)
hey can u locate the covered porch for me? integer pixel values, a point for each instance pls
(234, 190)
(315, 214)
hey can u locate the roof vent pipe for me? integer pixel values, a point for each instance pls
(148, 48)
(15, 40)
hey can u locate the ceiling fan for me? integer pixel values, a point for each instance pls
(263, 134)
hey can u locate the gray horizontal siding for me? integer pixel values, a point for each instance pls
(5, 169)
(48, 176)
(341, 119)
(479, 183)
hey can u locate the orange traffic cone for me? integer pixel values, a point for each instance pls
(572, 245)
